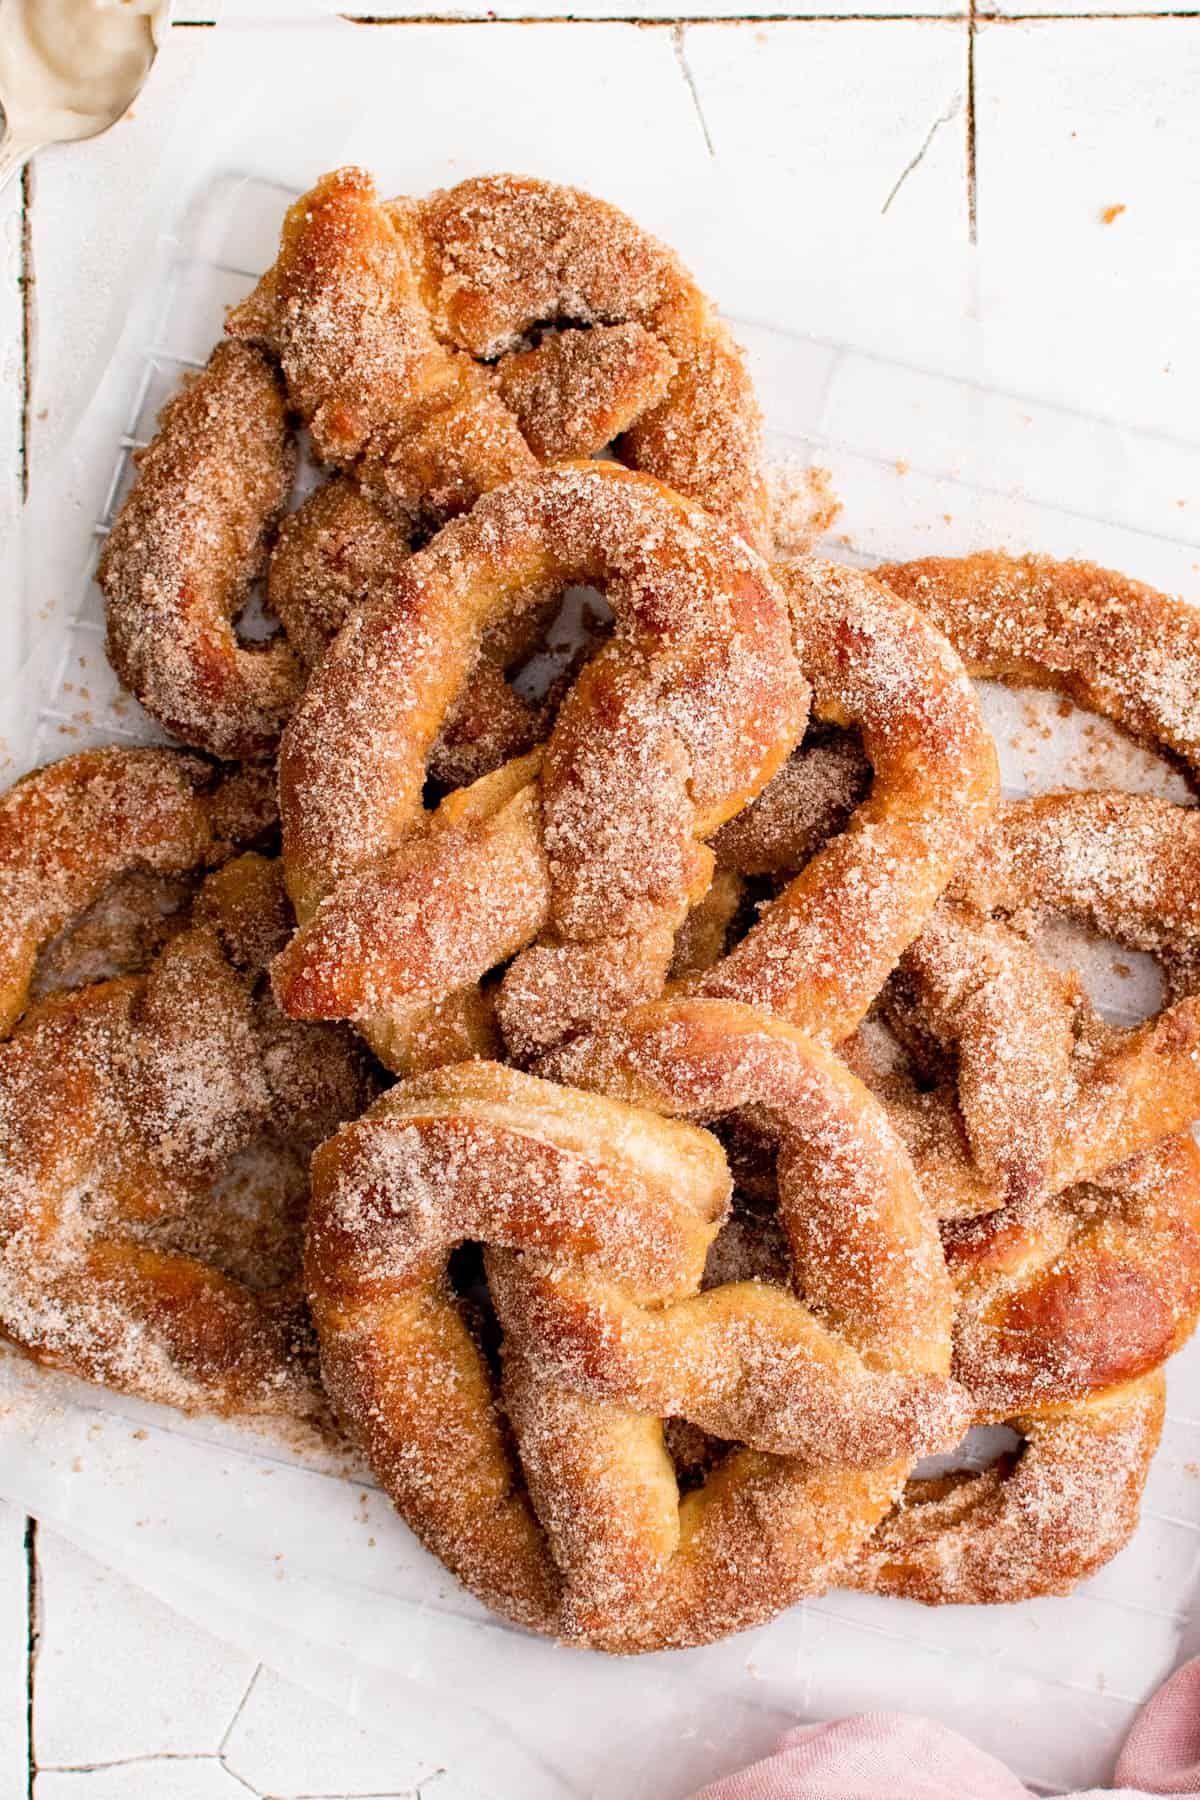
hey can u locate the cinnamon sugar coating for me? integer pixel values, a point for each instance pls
(386, 320)
(190, 539)
(823, 948)
(70, 830)
(593, 848)
(1108, 642)
(598, 1215)
(339, 552)
(1035, 1523)
(1051, 1094)
(152, 1182)
(579, 389)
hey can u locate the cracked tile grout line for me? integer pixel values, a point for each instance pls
(25, 281)
(677, 37)
(972, 168)
(915, 161)
(238, 1711)
(32, 1634)
(669, 21)
(130, 1762)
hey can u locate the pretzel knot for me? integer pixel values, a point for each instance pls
(435, 349)
(1037, 1521)
(1050, 1094)
(438, 348)
(597, 1215)
(593, 848)
(126, 1104)
(823, 948)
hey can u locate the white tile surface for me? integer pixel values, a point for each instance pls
(118, 1675)
(288, 1743)
(1073, 118)
(14, 1639)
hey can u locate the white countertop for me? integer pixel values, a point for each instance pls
(938, 199)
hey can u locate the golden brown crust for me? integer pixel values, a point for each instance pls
(188, 542)
(598, 1215)
(1094, 1288)
(130, 1106)
(683, 716)
(1036, 1523)
(1051, 1095)
(824, 948)
(385, 319)
(338, 553)
(70, 830)
(1111, 643)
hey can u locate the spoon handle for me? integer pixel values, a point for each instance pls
(14, 153)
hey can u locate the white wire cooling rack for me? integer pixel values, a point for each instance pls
(922, 464)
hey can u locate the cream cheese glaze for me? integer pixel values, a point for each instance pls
(69, 68)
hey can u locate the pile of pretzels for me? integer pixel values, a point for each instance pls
(700, 1137)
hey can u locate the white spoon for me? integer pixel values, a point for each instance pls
(71, 68)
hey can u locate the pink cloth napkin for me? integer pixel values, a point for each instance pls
(893, 1756)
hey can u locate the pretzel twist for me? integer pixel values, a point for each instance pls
(339, 552)
(597, 1215)
(124, 1103)
(387, 319)
(68, 831)
(1108, 642)
(189, 541)
(1037, 1522)
(594, 849)
(1050, 1094)
(827, 943)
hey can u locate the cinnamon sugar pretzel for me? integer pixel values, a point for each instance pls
(1049, 1093)
(188, 543)
(593, 847)
(827, 943)
(1044, 1516)
(597, 1214)
(338, 552)
(1038, 1521)
(403, 332)
(1108, 642)
(71, 829)
(131, 1106)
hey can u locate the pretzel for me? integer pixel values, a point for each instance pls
(1108, 642)
(593, 847)
(825, 946)
(1050, 1327)
(597, 1215)
(1037, 1522)
(128, 1104)
(1050, 1095)
(339, 552)
(388, 319)
(1097, 1287)
(190, 539)
(68, 831)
